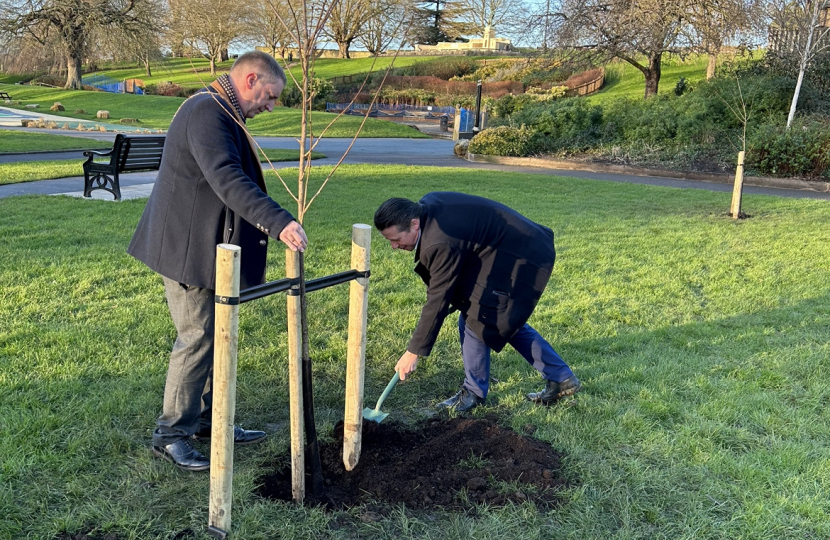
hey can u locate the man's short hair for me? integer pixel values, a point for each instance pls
(398, 212)
(263, 64)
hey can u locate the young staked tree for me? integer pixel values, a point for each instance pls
(639, 33)
(68, 24)
(800, 29)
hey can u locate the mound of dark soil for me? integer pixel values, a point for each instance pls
(443, 463)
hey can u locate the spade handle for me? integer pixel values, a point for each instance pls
(388, 389)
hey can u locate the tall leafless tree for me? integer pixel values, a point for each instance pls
(383, 27)
(347, 22)
(67, 23)
(210, 26)
(638, 32)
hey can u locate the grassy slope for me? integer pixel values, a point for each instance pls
(701, 342)
(194, 75)
(155, 112)
(625, 81)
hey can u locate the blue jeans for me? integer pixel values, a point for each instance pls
(527, 342)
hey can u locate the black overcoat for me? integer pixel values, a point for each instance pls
(209, 190)
(483, 258)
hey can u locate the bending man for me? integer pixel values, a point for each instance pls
(491, 264)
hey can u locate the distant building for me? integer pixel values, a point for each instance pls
(487, 43)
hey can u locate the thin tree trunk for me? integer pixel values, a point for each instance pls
(805, 58)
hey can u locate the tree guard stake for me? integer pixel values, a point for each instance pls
(225, 343)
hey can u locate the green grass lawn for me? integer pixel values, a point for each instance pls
(15, 142)
(701, 343)
(28, 171)
(156, 112)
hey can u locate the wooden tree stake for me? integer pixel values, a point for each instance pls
(225, 342)
(737, 191)
(356, 357)
(295, 379)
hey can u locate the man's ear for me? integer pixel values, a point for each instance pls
(250, 80)
(415, 224)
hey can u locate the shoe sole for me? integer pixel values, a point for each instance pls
(166, 457)
(557, 397)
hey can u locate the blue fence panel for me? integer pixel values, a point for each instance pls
(102, 82)
(468, 120)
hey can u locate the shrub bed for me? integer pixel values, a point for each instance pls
(698, 129)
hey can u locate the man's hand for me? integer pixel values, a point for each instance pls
(406, 364)
(294, 237)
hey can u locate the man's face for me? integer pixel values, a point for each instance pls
(261, 95)
(403, 239)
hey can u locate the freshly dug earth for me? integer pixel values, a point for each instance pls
(443, 463)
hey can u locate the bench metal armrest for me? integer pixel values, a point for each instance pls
(92, 154)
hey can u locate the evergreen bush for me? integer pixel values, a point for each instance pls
(503, 141)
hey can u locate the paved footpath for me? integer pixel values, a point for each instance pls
(426, 152)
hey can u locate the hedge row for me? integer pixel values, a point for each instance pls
(697, 129)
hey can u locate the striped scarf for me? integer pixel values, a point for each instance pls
(225, 82)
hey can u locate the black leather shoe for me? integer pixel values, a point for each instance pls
(241, 436)
(182, 454)
(463, 401)
(555, 391)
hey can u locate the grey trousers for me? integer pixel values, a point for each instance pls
(188, 390)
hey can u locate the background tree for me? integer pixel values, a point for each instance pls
(210, 26)
(639, 33)
(65, 24)
(437, 20)
(347, 23)
(716, 23)
(266, 28)
(383, 27)
(508, 16)
(142, 42)
(799, 34)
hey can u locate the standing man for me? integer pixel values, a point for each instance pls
(209, 190)
(491, 264)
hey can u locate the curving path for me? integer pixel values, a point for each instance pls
(426, 152)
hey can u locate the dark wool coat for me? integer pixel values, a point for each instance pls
(483, 258)
(209, 190)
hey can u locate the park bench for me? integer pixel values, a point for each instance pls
(5, 96)
(128, 154)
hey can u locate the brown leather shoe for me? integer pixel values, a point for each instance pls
(554, 391)
(182, 454)
(461, 402)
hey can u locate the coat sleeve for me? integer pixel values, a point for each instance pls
(444, 265)
(220, 149)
